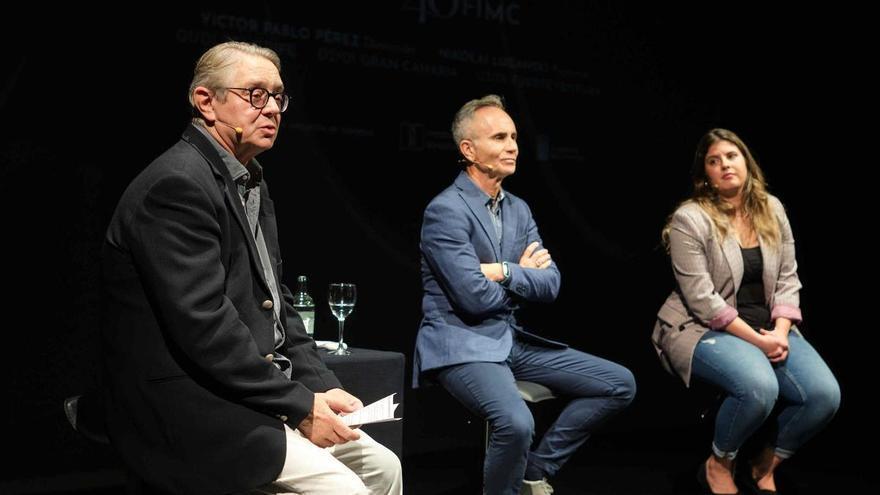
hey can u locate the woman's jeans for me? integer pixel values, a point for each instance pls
(596, 389)
(807, 390)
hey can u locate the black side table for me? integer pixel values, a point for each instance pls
(371, 375)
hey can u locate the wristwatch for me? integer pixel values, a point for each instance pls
(505, 270)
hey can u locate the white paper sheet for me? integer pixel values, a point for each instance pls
(380, 411)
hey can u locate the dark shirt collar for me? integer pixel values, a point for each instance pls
(247, 177)
(495, 203)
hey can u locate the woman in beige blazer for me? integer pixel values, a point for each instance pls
(730, 321)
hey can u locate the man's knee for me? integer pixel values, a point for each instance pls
(392, 473)
(517, 425)
(625, 390)
(379, 468)
(390, 470)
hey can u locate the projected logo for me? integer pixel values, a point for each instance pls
(499, 11)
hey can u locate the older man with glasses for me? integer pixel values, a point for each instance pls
(213, 386)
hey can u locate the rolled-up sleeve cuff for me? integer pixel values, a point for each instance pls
(722, 319)
(783, 311)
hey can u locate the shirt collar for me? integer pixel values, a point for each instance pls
(246, 177)
(495, 203)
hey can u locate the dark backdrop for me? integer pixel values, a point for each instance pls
(609, 102)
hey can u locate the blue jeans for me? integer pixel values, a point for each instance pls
(597, 389)
(808, 391)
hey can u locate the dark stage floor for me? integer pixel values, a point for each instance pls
(599, 469)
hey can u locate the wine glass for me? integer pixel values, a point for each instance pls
(342, 298)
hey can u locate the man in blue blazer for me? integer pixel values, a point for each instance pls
(481, 258)
(213, 386)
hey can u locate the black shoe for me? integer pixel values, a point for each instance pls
(751, 485)
(704, 483)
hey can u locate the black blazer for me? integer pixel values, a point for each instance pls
(194, 404)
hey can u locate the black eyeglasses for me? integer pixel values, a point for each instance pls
(259, 98)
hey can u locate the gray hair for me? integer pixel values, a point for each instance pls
(212, 69)
(466, 113)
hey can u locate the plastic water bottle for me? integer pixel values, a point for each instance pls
(304, 304)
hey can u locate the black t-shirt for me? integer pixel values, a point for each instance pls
(750, 297)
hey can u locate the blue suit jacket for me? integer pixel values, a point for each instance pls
(466, 317)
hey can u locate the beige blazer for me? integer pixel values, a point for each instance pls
(708, 272)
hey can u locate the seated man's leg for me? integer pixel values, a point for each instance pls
(598, 389)
(489, 391)
(313, 470)
(376, 465)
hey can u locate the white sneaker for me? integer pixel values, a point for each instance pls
(540, 487)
